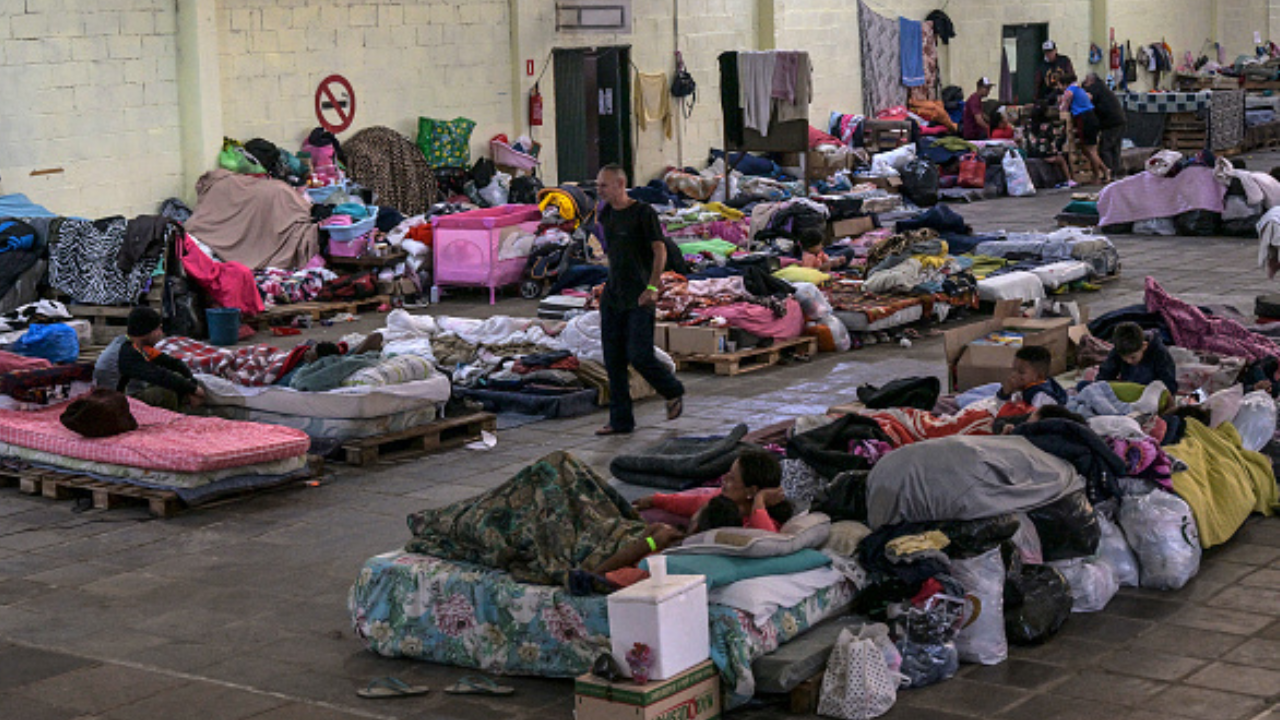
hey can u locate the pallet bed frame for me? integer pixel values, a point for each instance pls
(751, 359)
(107, 495)
(433, 437)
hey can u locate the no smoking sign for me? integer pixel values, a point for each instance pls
(335, 104)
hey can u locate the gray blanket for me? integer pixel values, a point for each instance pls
(680, 462)
(965, 478)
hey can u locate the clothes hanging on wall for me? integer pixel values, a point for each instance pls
(928, 91)
(801, 68)
(653, 102)
(942, 26)
(911, 49)
(757, 88)
(881, 61)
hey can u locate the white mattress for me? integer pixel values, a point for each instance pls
(340, 429)
(1017, 285)
(857, 321)
(343, 403)
(1055, 275)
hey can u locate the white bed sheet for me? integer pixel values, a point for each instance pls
(342, 403)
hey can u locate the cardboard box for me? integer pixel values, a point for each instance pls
(973, 365)
(852, 227)
(660, 334)
(696, 340)
(821, 165)
(691, 695)
(891, 183)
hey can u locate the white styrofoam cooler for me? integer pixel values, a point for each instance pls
(668, 615)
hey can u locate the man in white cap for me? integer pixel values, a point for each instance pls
(1054, 63)
(974, 124)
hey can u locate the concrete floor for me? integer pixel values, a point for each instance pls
(239, 610)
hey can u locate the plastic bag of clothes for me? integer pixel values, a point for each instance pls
(1198, 223)
(927, 641)
(1163, 161)
(1162, 531)
(812, 301)
(56, 342)
(888, 164)
(971, 538)
(1027, 541)
(498, 189)
(982, 638)
(1114, 550)
(1037, 601)
(1093, 583)
(1256, 420)
(839, 333)
(1016, 176)
(920, 182)
(1068, 528)
(1155, 226)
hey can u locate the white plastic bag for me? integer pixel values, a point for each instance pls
(498, 190)
(888, 164)
(1162, 532)
(839, 333)
(1016, 177)
(857, 684)
(1093, 583)
(1027, 540)
(1256, 420)
(1162, 162)
(812, 301)
(1114, 550)
(1155, 226)
(981, 638)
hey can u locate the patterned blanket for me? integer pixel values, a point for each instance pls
(1194, 330)
(163, 441)
(254, 365)
(83, 263)
(881, 59)
(908, 425)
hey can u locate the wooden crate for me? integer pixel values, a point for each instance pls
(417, 441)
(749, 360)
(316, 310)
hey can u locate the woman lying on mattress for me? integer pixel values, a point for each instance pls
(750, 495)
(558, 519)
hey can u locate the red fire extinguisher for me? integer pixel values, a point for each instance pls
(535, 107)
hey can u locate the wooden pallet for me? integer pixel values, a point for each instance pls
(106, 495)
(744, 361)
(422, 440)
(316, 310)
(105, 321)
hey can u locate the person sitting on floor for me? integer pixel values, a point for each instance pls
(1262, 375)
(1139, 357)
(149, 375)
(1000, 127)
(813, 256)
(753, 484)
(1029, 379)
(1046, 141)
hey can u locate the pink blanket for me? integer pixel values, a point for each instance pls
(759, 320)
(164, 440)
(1194, 330)
(1145, 196)
(10, 362)
(229, 284)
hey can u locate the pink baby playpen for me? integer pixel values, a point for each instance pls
(467, 244)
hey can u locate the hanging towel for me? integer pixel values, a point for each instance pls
(911, 48)
(785, 68)
(798, 108)
(653, 102)
(755, 89)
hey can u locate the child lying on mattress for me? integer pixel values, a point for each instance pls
(752, 488)
(308, 354)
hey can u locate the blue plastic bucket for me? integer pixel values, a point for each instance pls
(224, 325)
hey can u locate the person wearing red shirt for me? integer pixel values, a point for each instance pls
(753, 484)
(974, 125)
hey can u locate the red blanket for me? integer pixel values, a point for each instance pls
(164, 440)
(908, 425)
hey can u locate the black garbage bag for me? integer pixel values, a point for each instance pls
(971, 538)
(524, 190)
(1067, 528)
(1198, 223)
(995, 185)
(826, 449)
(1037, 601)
(845, 498)
(920, 182)
(914, 392)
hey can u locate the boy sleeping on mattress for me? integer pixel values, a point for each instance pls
(559, 522)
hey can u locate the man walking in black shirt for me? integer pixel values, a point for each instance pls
(1111, 121)
(637, 256)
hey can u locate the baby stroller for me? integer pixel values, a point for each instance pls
(567, 209)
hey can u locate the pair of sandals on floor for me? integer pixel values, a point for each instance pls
(392, 687)
(675, 408)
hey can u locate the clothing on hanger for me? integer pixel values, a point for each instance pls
(653, 102)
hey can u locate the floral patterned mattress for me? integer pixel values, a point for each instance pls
(417, 606)
(163, 441)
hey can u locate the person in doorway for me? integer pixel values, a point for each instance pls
(149, 375)
(974, 125)
(1111, 121)
(637, 255)
(1139, 357)
(754, 486)
(1085, 120)
(1055, 65)
(1029, 379)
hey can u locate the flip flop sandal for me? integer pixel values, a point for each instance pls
(471, 685)
(675, 408)
(607, 430)
(390, 687)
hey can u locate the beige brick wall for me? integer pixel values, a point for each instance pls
(435, 58)
(90, 88)
(828, 30)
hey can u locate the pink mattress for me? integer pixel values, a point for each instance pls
(163, 441)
